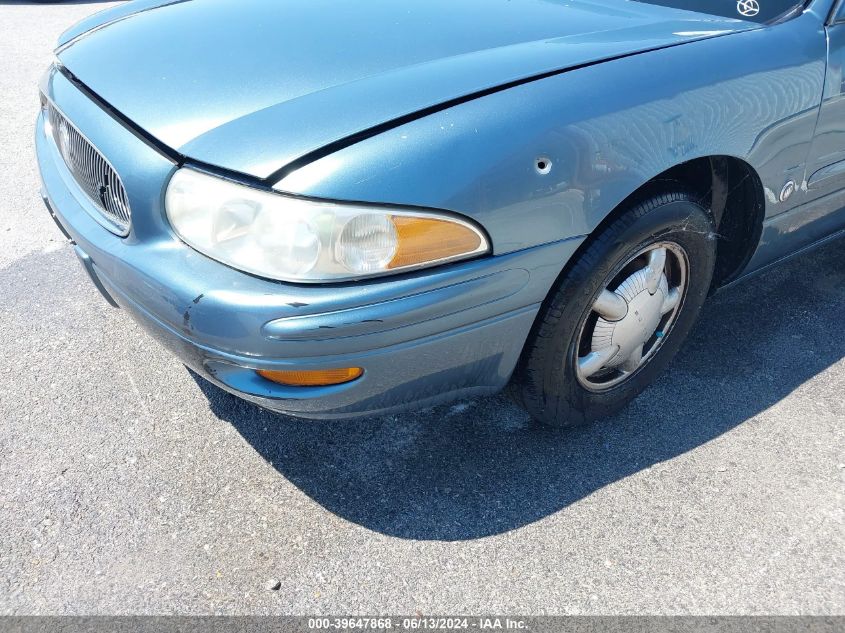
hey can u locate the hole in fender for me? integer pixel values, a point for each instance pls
(543, 165)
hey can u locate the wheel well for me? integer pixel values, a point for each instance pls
(729, 187)
(732, 190)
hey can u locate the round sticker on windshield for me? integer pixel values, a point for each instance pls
(748, 8)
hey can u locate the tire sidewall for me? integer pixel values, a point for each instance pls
(681, 221)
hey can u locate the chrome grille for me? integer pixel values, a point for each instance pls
(92, 172)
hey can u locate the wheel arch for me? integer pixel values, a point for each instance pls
(733, 192)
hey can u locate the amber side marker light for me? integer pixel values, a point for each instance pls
(311, 377)
(422, 240)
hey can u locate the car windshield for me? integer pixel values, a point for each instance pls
(754, 10)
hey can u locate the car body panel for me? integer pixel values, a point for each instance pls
(826, 167)
(252, 91)
(101, 19)
(606, 128)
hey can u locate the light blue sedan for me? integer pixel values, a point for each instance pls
(334, 208)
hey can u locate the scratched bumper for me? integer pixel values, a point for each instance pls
(421, 338)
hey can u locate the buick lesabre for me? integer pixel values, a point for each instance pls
(334, 208)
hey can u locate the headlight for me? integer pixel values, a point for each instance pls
(292, 239)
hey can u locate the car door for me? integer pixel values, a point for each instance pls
(826, 161)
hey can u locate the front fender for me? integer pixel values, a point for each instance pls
(607, 129)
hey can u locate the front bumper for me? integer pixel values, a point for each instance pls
(421, 338)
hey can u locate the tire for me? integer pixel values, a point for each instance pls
(552, 380)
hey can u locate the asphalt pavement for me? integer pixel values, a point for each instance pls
(129, 486)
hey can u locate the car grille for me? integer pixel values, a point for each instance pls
(92, 172)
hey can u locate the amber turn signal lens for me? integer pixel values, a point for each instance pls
(311, 377)
(423, 240)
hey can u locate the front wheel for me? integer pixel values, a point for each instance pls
(619, 313)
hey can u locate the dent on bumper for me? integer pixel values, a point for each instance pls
(421, 338)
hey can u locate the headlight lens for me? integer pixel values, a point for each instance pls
(292, 239)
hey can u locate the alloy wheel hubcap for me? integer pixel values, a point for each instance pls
(632, 316)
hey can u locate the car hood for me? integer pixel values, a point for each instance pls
(253, 86)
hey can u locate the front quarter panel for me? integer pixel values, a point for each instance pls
(607, 129)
